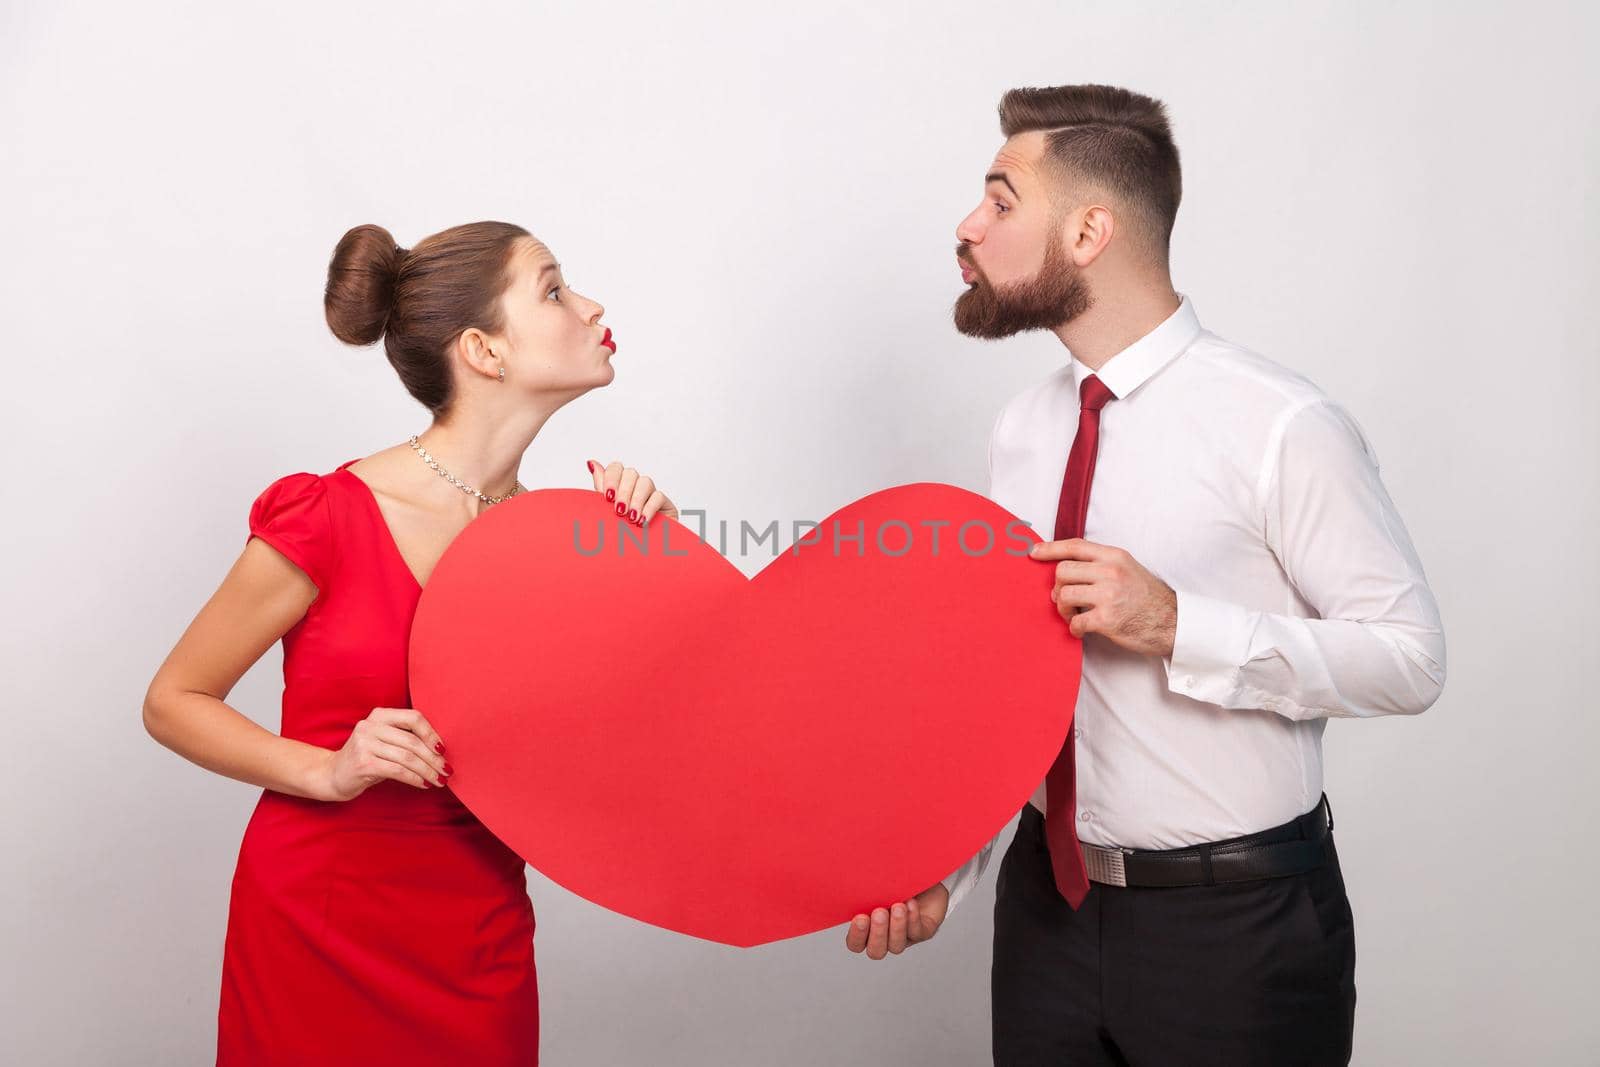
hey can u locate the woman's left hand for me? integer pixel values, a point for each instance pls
(635, 495)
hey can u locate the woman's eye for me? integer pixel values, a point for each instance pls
(1001, 207)
(553, 289)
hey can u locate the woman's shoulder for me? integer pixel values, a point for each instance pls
(294, 514)
(300, 494)
(299, 490)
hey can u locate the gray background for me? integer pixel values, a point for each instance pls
(1396, 200)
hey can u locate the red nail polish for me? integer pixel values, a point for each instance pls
(611, 494)
(438, 746)
(447, 769)
(622, 509)
(590, 464)
(633, 515)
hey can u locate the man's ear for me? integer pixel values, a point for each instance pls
(1087, 232)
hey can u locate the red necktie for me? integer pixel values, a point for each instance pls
(1060, 784)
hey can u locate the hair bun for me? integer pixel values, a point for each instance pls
(361, 284)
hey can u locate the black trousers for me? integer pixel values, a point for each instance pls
(1242, 973)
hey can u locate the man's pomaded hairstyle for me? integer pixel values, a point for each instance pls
(1109, 137)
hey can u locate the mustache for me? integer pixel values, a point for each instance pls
(963, 254)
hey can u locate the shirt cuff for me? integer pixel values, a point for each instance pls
(957, 888)
(957, 884)
(1210, 646)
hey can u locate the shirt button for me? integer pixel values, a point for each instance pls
(1084, 816)
(1076, 732)
(1188, 681)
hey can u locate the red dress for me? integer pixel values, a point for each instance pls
(393, 927)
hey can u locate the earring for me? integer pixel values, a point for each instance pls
(502, 372)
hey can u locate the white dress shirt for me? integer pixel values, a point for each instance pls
(1299, 596)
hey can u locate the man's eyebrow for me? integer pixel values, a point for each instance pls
(1000, 176)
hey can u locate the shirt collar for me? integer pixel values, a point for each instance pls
(1138, 363)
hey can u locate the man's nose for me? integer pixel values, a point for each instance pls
(969, 232)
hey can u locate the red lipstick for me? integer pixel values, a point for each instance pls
(608, 342)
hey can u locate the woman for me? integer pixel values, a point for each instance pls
(372, 917)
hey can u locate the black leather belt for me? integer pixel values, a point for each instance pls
(1297, 846)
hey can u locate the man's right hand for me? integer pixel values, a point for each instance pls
(891, 929)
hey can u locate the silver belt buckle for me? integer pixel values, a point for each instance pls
(1103, 864)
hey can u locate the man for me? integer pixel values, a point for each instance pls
(1224, 547)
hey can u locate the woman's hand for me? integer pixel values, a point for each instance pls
(636, 496)
(393, 743)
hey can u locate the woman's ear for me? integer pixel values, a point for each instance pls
(477, 352)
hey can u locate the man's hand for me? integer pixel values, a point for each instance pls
(1103, 590)
(892, 929)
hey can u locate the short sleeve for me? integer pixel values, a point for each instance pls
(292, 516)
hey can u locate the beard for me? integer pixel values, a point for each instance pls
(1056, 294)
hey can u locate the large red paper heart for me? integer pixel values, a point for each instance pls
(745, 760)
